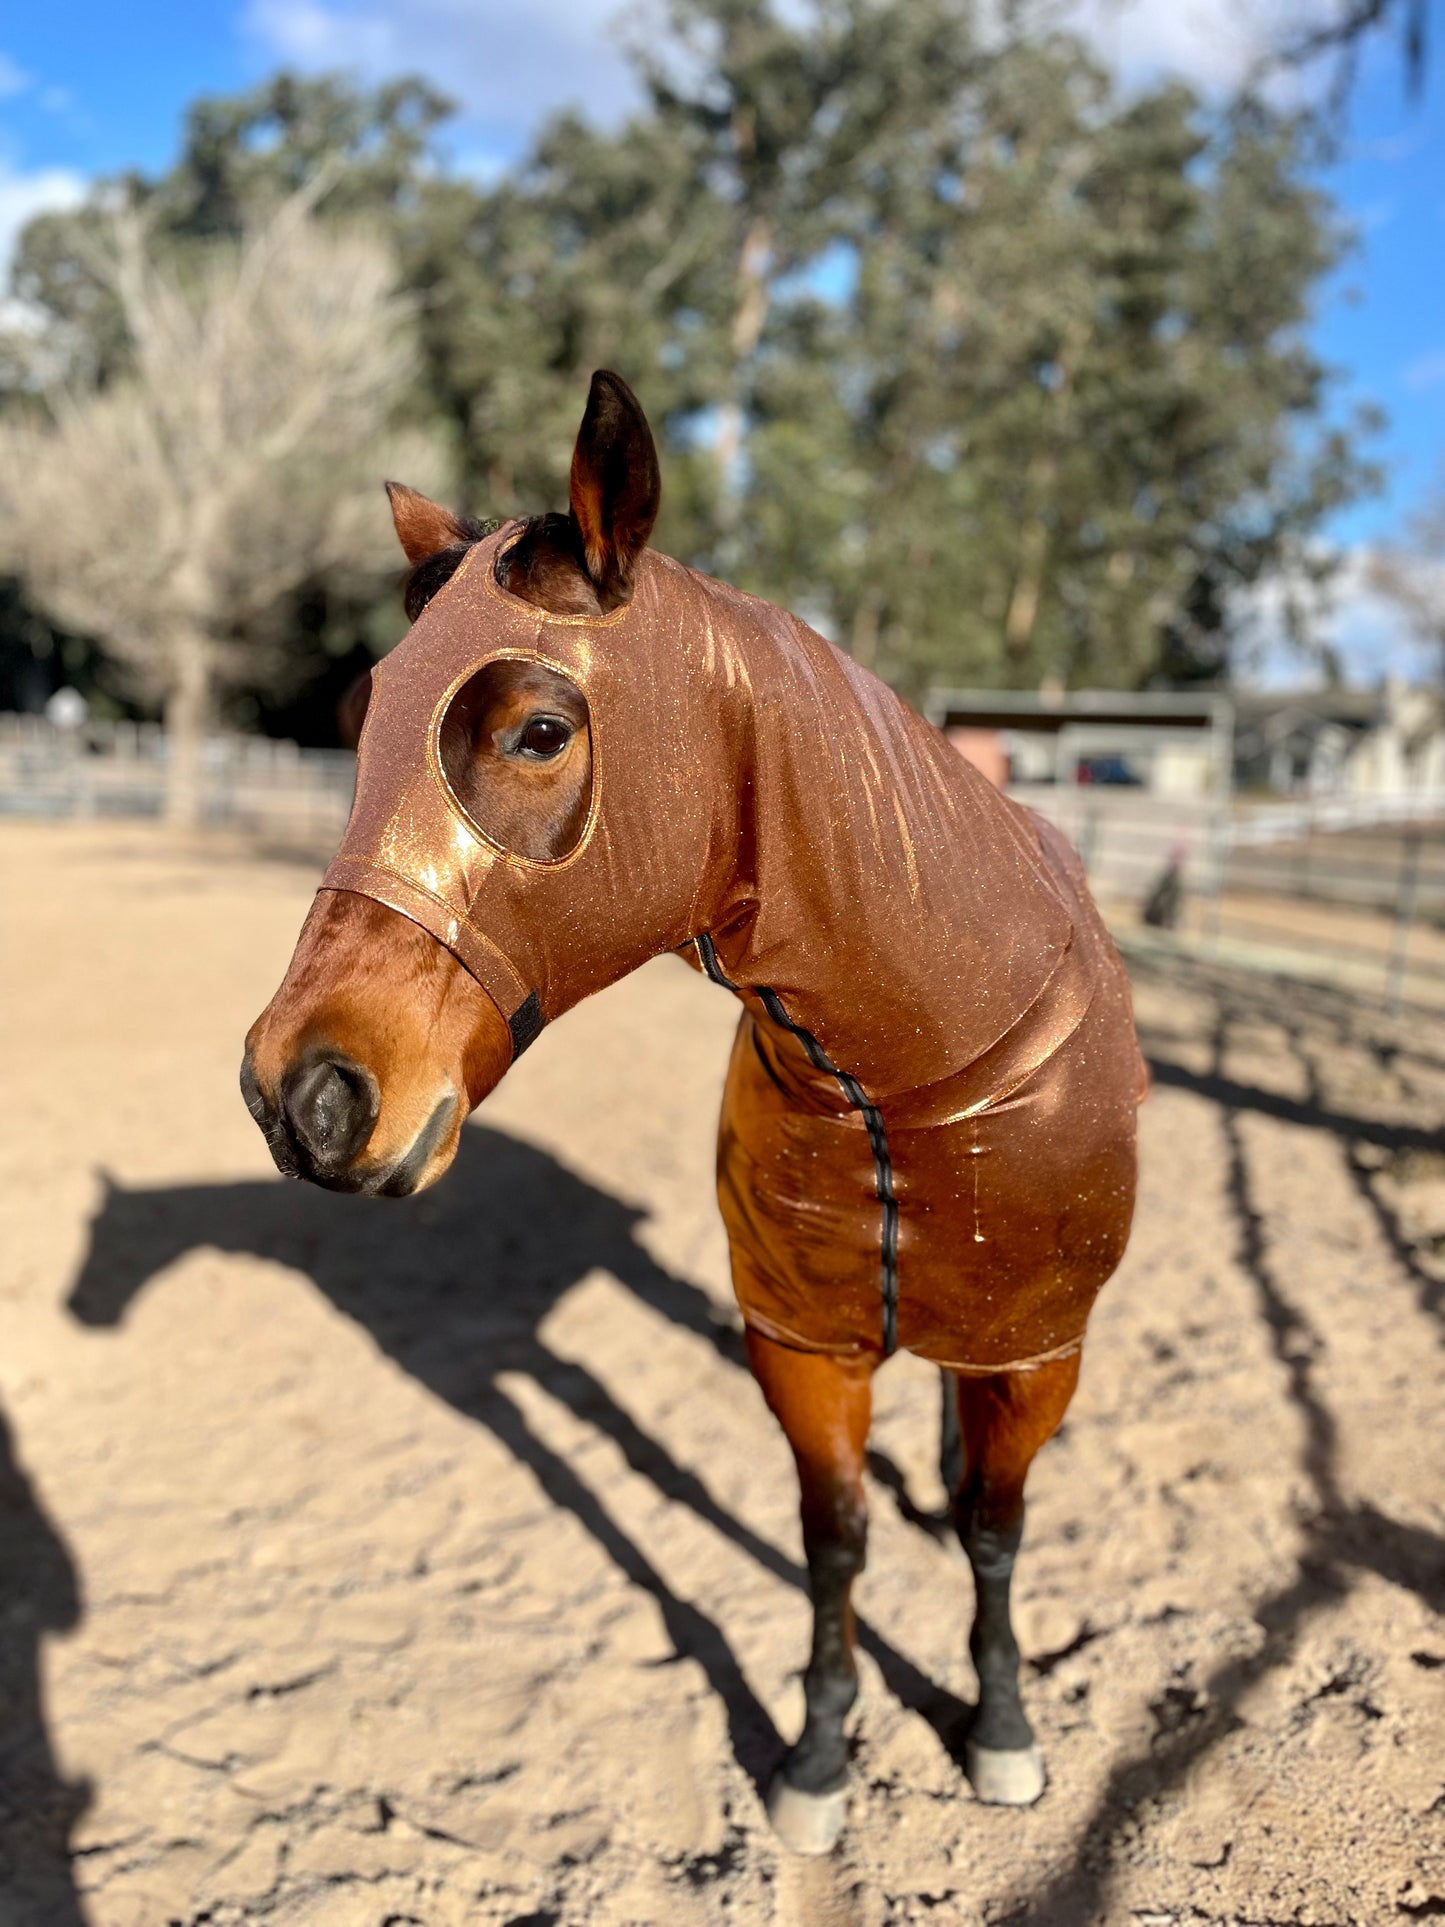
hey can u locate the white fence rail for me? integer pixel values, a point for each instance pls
(1289, 822)
(119, 770)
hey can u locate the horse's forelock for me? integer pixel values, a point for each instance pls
(433, 572)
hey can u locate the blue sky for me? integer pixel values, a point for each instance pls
(1383, 318)
(87, 89)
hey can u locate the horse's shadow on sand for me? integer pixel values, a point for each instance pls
(455, 1286)
(39, 1594)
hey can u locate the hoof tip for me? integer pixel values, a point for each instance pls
(806, 1822)
(1012, 1778)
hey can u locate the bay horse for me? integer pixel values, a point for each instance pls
(584, 755)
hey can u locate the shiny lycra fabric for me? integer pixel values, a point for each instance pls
(928, 1125)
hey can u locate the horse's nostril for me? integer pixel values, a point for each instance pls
(331, 1105)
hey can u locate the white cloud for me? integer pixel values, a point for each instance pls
(1215, 45)
(22, 196)
(1391, 150)
(13, 78)
(1368, 633)
(509, 65)
(506, 65)
(1426, 371)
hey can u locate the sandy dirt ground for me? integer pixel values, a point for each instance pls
(380, 1564)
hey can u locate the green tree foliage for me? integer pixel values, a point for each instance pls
(992, 372)
(1077, 420)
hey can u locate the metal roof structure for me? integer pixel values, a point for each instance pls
(1048, 711)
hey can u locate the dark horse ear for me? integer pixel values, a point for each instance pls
(424, 528)
(615, 486)
(351, 710)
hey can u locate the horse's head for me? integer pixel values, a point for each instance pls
(460, 912)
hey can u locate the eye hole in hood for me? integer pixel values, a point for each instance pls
(516, 752)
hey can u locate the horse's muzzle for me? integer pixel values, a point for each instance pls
(327, 1107)
(323, 1117)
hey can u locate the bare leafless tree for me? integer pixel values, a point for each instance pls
(1412, 574)
(1336, 30)
(168, 514)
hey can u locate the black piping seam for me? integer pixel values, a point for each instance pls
(762, 1057)
(872, 1119)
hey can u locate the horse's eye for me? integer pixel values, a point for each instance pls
(544, 737)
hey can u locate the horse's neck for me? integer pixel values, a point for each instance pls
(892, 899)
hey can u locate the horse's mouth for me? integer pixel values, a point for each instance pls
(412, 1173)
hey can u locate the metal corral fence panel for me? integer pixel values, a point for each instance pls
(119, 769)
(1362, 869)
(1343, 889)
(1128, 836)
(1349, 850)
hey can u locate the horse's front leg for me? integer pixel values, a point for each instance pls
(823, 1404)
(1003, 1420)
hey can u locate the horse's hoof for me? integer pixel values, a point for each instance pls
(806, 1822)
(1012, 1777)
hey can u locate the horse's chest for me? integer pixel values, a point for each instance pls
(993, 1233)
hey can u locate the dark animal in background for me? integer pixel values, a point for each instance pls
(585, 755)
(1164, 905)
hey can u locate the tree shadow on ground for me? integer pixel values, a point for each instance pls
(38, 1807)
(455, 1286)
(1341, 1538)
(1323, 1025)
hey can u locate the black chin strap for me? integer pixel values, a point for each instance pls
(526, 1024)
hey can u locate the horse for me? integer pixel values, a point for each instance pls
(584, 755)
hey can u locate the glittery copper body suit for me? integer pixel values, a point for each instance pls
(927, 1132)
